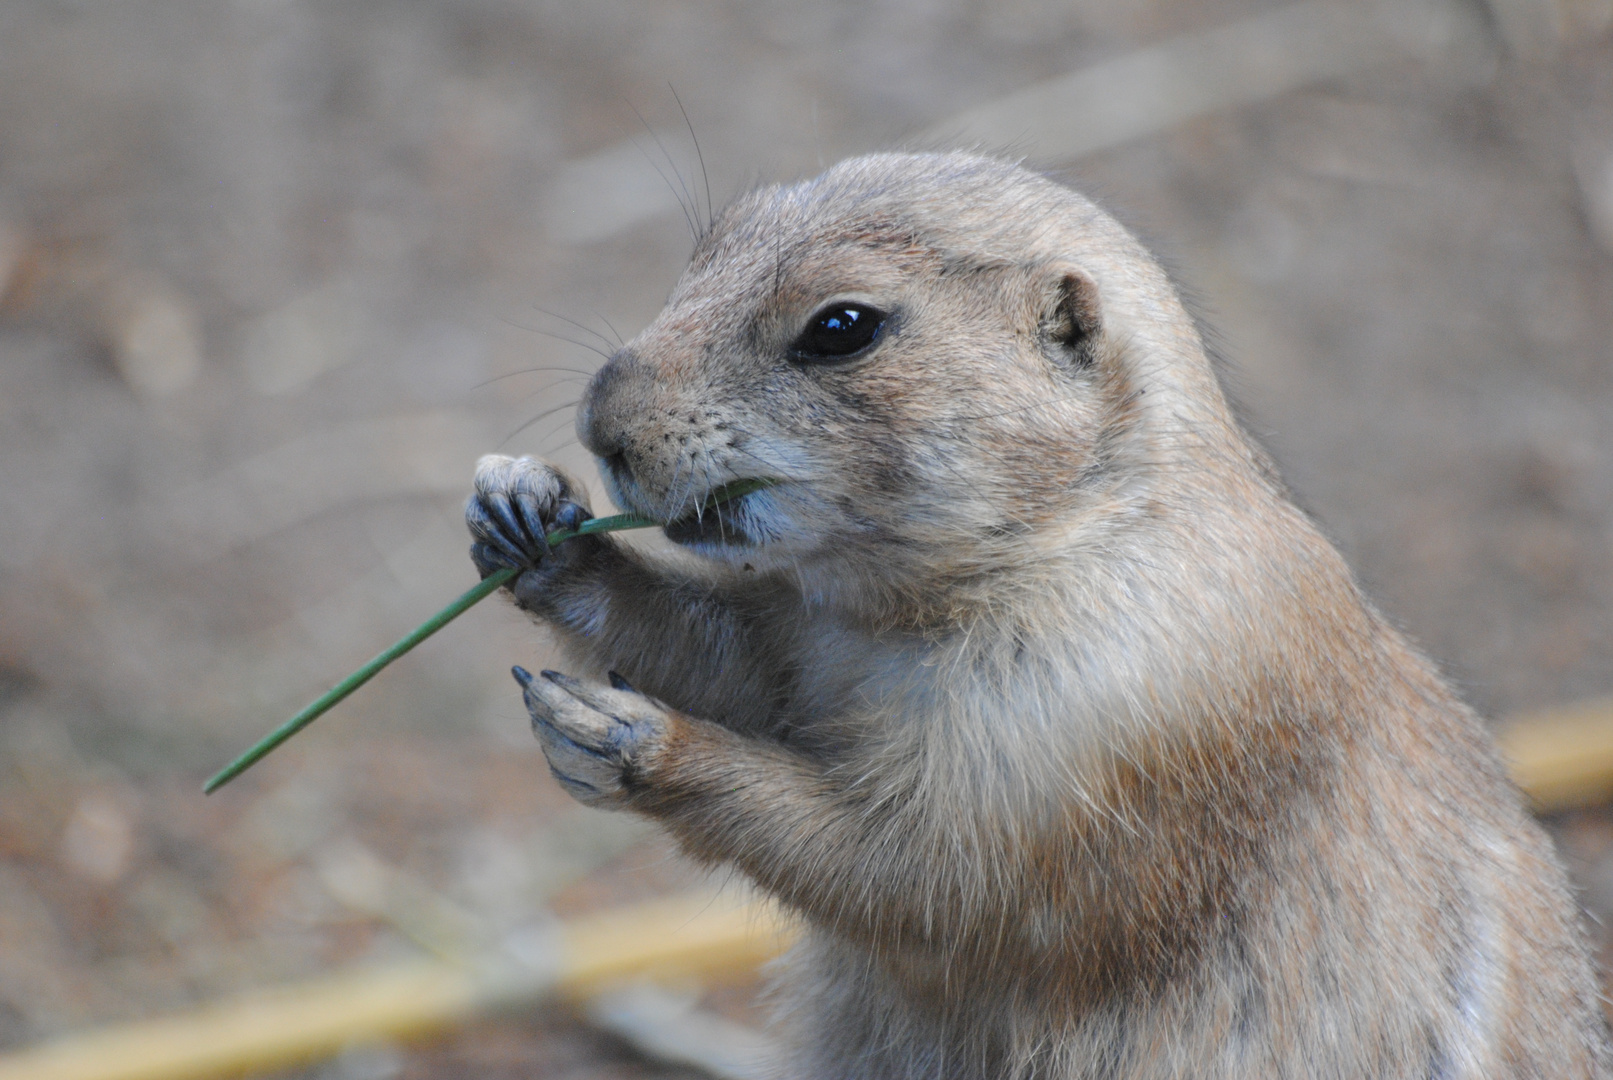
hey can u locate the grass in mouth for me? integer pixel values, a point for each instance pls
(469, 599)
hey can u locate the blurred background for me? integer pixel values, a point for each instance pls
(273, 273)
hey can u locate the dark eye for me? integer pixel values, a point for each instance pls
(837, 332)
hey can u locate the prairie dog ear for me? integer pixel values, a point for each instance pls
(1072, 319)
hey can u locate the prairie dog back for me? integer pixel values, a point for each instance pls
(1071, 739)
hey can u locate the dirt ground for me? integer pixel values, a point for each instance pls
(274, 273)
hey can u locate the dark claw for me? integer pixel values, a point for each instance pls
(564, 681)
(573, 786)
(619, 683)
(511, 554)
(526, 504)
(500, 510)
(570, 515)
(522, 676)
(485, 528)
(486, 558)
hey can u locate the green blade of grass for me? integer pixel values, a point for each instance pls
(467, 600)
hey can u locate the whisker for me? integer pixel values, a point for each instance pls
(543, 447)
(768, 465)
(688, 487)
(609, 326)
(584, 375)
(555, 451)
(674, 500)
(545, 414)
(705, 177)
(573, 403)
(595, 349)
(705, 468)
(688, 219)
(691, 211)
(585, 328)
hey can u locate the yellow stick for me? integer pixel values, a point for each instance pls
(1563, 758)
(682, 936)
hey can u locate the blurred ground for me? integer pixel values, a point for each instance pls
(274, 273)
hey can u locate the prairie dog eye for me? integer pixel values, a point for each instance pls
(838, 332)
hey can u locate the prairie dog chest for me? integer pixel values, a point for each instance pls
(845, 679)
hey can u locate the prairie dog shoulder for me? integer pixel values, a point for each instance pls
(1024, 683)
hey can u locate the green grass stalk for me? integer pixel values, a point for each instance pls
(467, 600)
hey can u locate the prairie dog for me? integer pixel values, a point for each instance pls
(1072, 740)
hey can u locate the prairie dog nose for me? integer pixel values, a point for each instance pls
(606, 409)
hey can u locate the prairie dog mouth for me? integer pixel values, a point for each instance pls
(714, 525)
(720, 518)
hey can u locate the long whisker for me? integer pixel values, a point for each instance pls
(688, 488)
(705, 177)
(546, 452)
(543, 391)
(595, 349)
(584, 327)
(674, 501)
(688, 188)
(688, 218)
(535, 371)
(763, 462)
(541, 416)
(705, 468)
(691, 212)
(559, 427)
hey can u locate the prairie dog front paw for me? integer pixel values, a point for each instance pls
(601, 741)
(517, 504)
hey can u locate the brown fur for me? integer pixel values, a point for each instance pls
(1073, 740)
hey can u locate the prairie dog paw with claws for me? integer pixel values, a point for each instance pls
(601, 741)
(518, 502)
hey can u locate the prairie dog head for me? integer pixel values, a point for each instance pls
(940, 359)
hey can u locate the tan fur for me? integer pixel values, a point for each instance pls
(1072, 739)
